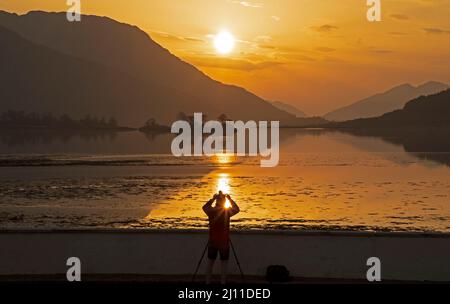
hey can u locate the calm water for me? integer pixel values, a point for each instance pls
(325, 180)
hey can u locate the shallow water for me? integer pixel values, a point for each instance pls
(325, 180)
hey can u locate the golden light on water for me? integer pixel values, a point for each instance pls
(223, 184)
(224, 158)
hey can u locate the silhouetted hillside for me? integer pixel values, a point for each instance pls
(391, 100)
(422, 127)
(100, 65)
(289, 108)
(37, 79)
(37, 121)
(311, 122)
(425, 111)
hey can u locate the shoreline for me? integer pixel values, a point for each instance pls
(340, 233)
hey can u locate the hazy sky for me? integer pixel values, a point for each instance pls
(315, 54)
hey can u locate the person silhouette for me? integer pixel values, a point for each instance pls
(219, 232)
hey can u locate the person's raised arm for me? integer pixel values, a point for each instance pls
(234, 207)
(208, 206)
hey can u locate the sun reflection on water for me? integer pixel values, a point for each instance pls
(223, 181)
(223, 184)
(224, 158)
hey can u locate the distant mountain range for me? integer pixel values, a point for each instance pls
(104, 68)
(393, 99)
(432, 111)
(289, 108)
(422, 127)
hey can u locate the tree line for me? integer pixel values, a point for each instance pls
(32, 119)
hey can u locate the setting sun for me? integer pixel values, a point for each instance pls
(224, 42)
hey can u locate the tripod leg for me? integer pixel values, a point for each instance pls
(237, 261)
(200, 262)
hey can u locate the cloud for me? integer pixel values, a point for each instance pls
(275, 18)
(168, 36)
(325, 49)
(435, 30)
(247, 3)
(334, 60)
(381, 51)
(263, 38)
(292, 56)
(398, 33)
(399, 16)
(267, 46)
(263, 41)
(193, 39)
(232, 64)
(433, 1)
(326, 28)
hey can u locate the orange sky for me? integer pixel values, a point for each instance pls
(315, 54)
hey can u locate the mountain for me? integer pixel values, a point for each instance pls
(422, 127)
(37, 79)
(393, 99)
(289, 108)
(102, 67)
(432, 111)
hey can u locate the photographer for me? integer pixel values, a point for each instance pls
(219, 232)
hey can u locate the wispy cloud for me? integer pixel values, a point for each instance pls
(435, 30)
(247, 3)
(275, 18)
(263, 38)
(398, 33)
(399, 16)
(326, 28)
(325, 49)
(169, 36)
(433, 1)
(232, 63)
(380, 51)
(267, 46)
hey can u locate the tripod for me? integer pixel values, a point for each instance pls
(235, 257)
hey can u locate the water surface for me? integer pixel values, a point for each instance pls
(325, 180)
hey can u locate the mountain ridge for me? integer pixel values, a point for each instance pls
(30, 72)
(381, 103)
(131, 51)
(290, 109)
(422, 112)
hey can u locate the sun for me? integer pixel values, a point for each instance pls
(224, 42)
